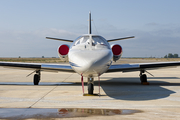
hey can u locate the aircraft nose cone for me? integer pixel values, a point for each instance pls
(89, 62)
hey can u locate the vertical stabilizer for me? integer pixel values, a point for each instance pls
(89, 22)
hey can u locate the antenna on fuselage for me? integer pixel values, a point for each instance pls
(89, 22)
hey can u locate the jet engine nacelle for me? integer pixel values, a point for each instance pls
(63, 51)
(117, 52)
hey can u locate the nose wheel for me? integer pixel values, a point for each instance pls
(90, 85)
(90, 88)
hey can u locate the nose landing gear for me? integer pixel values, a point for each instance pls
(90, 85)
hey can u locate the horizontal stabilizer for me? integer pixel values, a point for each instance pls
(120, 39)
(59, 39)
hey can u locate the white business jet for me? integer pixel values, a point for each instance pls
(90, 56)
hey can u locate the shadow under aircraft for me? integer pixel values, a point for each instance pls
(130, 89)
(122, 88)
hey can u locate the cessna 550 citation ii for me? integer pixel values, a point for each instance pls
(90, 56)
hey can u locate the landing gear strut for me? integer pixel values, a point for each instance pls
(143, 78)
(37, 77)
(90, 85)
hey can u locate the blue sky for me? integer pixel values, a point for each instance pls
(24, 24)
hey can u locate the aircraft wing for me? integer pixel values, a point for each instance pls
(141, 66)
(38, 66)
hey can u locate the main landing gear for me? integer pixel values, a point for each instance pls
(143, 78)
(37, 77)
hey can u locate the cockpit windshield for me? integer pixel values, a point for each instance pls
(82, 40)
(99, 40)
(96, 40)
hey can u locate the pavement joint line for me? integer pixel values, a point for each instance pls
(67, 77)
(43, 96)
(49, 92)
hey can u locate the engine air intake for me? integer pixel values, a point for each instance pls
(63, 50)
(116, 49)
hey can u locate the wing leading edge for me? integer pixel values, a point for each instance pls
(141, 66)
(38, 66)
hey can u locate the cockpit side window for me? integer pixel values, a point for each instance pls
(77, 42)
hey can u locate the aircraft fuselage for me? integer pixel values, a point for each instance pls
(90, 55)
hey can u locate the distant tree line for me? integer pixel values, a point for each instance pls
(170, 55)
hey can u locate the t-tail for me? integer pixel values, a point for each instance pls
(90, 32)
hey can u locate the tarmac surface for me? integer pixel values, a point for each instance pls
(59, 95)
